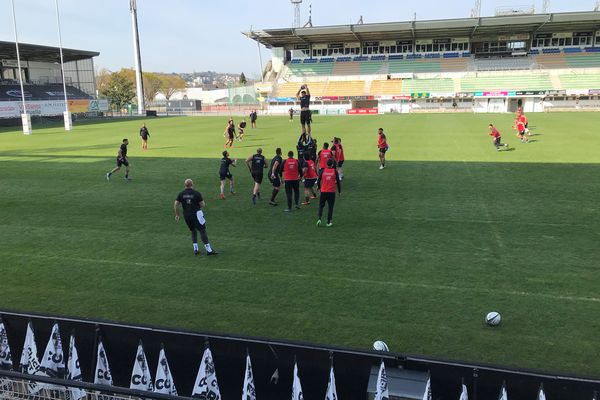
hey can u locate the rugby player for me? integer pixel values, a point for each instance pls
(121, 160)
(309, 172)
(256, 164)
(224, 173)
(291, 177)
(327, 182)
(275, 171)
(383, 147)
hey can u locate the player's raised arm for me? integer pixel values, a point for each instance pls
(307, 90)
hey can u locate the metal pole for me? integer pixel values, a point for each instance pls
(139, 82)
(25, 118)
(260, 61)
(67, 114)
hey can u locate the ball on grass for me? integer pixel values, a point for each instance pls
(493, 318)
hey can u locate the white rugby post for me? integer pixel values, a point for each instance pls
(66, 114)
(139, 82)
(25, 118)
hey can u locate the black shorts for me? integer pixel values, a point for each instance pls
(241, 131)
(226, 175)
(383, 150)
(230, 136)
(144, 138)
(121, 161)
(276, 182)
(340, 163)
(527, 125)
(305, 117)
(192, 222)
(522, 133)
(498, 140)
(310, 183)
(258, 177)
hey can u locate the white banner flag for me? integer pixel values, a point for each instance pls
(382, 384)
(249, 391)
(503, 394)
(464, 394)
(541, 394)
(53, 361)
(74, 371)
(206, 386)
(102, 375)
(331, 389)
(164, 380)
(427, 394)
(140, 375)
(29, 361)
(297, 386)
(5, 357)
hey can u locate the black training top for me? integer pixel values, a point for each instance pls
(190, 201)
(144, 132)
(230, 130)
(258, 163)
(225, 163)
(243, 124)
(279, 167)
(305, 101)
(123, 149)
(253, 116)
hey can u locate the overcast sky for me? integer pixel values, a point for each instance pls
(199, 35)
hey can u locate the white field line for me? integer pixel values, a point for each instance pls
(425, 286)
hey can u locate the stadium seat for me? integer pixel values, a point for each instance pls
(579, 81)
(506, 82)
(387, 87)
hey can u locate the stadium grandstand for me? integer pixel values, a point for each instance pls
(490, 64)
(42, 80)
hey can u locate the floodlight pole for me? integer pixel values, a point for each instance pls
(66, 114)
(25, 118)
(139, 82)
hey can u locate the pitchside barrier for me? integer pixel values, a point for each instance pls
(272, 364)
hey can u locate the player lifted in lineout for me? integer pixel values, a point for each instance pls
(303, 96)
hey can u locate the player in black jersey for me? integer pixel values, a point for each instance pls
(121, 160)
(256, 164)
(229, 133)
(275, 171)
(241, 127)
(225, 174)
(192, 203)
(303, 96)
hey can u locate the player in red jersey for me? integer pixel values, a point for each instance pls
(338, 154)
(523, 118)
(520, 127)
(383, 147)
(327, 182)
(291, 176)
(324, 155)
(309, 172)
(497, 138)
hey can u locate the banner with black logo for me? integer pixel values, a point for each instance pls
(249, 391)
(140, 375)
(164, 380)
(29, 363)
(102, 375)
(382, 384)
(74, 371)
(53, 362)
(5, 357)
(206, 386)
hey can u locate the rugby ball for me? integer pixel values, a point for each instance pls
(493, 318)
(380, 345)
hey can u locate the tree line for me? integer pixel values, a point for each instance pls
(119, 87)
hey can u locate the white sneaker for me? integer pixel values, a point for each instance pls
(381, 167)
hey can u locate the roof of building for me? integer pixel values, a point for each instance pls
(34, 52)
(463, 27)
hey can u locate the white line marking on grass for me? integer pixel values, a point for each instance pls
(324, 277)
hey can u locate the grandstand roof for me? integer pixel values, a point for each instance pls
(428, 29)
(34, 52)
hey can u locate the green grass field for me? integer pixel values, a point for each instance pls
(419, 253)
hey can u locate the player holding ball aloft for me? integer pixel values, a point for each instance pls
(303, 96)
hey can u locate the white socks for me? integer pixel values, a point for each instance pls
(195, 246)
(207, 247)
